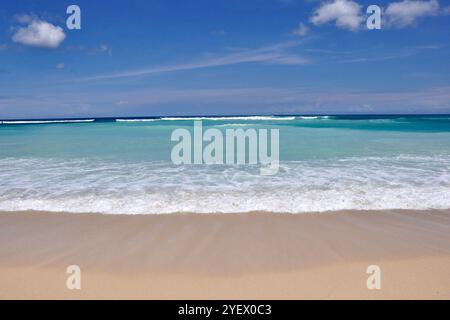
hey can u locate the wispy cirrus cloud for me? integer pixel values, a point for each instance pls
(219, 32)
(103, 48)
(274, 54)
(255, 99)
(302, 30)
(398, 54)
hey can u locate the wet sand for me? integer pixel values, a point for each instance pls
(238, 256)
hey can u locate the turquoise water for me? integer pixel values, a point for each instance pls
(327, 163)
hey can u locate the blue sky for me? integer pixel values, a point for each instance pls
(138, 58)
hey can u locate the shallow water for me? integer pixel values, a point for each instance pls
(327, 163)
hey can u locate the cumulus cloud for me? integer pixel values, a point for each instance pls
(345, 14)
(301, 30)
(407, 12)
(38, 33)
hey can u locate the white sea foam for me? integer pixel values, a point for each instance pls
(44, 121)
(136, 120)
(91, 185)
(279, 118)
(223, 118)
(313, 117)
(233, 125)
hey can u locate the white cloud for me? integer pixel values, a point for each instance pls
(260, 99)
(345, 13)
(104, 48)
(301, 30)
(24, 18)
(406, 13)
(39, 33)
(121, 102)
(60, 66)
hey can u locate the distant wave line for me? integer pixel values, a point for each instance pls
(231, 118)
(43, 121)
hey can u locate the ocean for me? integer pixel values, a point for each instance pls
(327, 163)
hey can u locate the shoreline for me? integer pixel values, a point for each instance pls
(240, 256)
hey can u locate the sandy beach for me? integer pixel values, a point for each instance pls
(226, 256)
